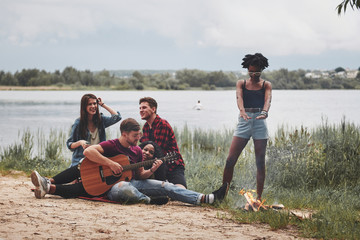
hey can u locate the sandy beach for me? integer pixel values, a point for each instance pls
(25, 217)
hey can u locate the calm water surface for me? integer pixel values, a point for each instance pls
(47, 110)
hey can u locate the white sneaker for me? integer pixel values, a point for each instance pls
(42, 184)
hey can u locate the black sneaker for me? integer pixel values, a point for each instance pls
(220, 194)
(159, 200)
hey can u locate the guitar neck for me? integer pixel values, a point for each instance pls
(139, 164)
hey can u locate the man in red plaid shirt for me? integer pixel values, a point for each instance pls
(159, 130)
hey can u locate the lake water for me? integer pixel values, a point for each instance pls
(47, 110)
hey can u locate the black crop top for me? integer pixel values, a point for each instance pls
(253, 98)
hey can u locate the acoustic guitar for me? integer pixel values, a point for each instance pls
(97, 178)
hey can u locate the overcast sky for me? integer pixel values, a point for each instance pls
(176, 34)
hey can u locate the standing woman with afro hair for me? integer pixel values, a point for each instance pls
(253, 97)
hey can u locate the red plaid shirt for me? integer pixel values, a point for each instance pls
(162, 133)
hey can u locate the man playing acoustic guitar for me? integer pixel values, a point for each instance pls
(108, 164)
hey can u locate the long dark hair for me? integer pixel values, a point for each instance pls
(158, 153)
(84, 115)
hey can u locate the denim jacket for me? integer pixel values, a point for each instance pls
(75, 135)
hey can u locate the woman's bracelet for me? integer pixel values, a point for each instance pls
(265, 113)
(151, 170)
(102, 104)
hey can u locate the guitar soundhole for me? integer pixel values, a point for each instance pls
(112, 179)
(127, 179)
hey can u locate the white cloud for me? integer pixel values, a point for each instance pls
(282, 28)
(33, 22)
(278, 27)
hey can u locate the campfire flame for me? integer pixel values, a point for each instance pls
(254, 203)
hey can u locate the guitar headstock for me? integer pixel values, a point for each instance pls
(171, 157)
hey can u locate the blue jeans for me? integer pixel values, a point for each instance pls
(142, 190)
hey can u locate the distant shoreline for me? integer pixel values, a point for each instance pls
(93, 88)
(46, 88)
(69, 88)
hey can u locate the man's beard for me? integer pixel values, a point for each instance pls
(132, 143)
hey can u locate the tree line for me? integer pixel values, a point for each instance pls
(170, 79)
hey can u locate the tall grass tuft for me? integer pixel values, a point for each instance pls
(48, 158)
(341, 145)
(18, 155)
(294, 160)
(326, 156)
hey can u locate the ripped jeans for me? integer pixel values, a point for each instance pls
(141, 191)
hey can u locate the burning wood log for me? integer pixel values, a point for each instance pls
(256, 204)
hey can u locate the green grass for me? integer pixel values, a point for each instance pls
(36, 151)
(313, 170)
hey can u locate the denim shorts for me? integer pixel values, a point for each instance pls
(255, 128)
